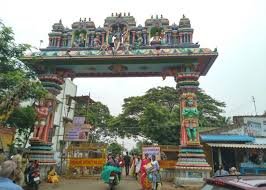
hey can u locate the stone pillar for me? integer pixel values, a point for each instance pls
(50, 41)
(69, 38)
(191, 38)
(133, 37)
(191, 166)
(180, 37)
(41, 146)
(220, 156)
(58, 41)
(103, 37)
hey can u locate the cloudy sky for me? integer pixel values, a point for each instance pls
(237, 28)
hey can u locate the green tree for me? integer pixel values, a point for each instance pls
(156, 115)
(138, 149)
(115, 148)
(23, 118)
(98, 115)
(17, 81)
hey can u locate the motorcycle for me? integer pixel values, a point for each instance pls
(111, 175)
(114, 180)
(33, 177)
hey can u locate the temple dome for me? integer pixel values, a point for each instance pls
(174, 26)
(58, 26)
(184, 22)
(90, 24)
(83, 24)
(157, 21)
(99, 29)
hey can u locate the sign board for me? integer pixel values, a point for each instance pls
(86, 162)
(152, 150)
(78, 130)
(6, 137)
(167, 164)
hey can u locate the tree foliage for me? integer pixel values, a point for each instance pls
(17, 81)
(115, 148)
(23, 118)
(96, 114)
(156, 115)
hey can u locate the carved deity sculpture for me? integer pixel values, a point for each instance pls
(125, 36)
(162, 38)
(190, 115)
(82, 40)
(117, 43)
(41, 122)
(97, 41)
(156, 39)
(139, 41)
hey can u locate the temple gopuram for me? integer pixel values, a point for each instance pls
(121, 48)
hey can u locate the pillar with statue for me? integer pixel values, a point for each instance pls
(191, 166)
(41, 146)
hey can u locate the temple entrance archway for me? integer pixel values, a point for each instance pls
(122, 49)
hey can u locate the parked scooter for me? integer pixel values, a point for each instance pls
(33, 176)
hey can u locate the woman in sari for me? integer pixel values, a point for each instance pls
(145, 183)
(52, 176)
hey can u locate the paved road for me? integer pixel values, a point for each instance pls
(85, 184)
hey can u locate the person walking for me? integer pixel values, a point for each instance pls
(138, 165)
(145, 164)
(127, 161)
(156, 178)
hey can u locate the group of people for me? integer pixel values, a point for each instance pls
(222, 172)
(146, 170)
(14, 171)
(17, 171)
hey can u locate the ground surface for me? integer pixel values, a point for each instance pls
(89, 184)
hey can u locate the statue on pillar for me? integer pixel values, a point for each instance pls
(190, 118)
(41, 130)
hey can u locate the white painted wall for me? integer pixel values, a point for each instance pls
(69, 89)
(255, 126)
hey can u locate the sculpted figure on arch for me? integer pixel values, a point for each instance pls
(190, 118)
(41, 125)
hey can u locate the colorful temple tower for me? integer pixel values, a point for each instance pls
(122, 49)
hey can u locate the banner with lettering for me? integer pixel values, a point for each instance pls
(152, 150)
(86, 162)
(78, 130)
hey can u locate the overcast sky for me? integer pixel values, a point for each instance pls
(237, 28)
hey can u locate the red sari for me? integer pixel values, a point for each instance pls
(145, 183)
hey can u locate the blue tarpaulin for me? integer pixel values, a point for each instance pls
(107, 170)
(226, 138)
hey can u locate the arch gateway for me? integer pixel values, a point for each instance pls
(122, 49)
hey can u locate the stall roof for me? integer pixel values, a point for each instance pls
(250, 146)
(226, 138)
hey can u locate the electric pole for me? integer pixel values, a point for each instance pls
(254, 102)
